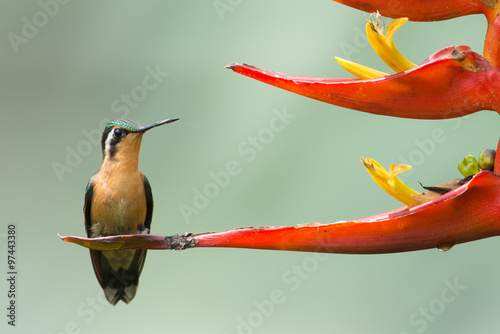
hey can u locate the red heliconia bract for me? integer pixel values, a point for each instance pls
(467, 213)
(452, 82)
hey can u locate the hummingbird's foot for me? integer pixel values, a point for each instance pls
(141, 229)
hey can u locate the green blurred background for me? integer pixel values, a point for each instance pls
(59, 84)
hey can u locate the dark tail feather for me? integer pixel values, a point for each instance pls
(118, 285)
(121, 286)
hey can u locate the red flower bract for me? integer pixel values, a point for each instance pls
(452, 82)
(418, 10)
(467, 213)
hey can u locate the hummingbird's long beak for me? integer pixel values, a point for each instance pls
(150, 126)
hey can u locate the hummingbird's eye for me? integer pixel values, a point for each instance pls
(119, 133)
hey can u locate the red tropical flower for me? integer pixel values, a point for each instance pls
(452, 82)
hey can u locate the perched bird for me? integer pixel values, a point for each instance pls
(118, 200)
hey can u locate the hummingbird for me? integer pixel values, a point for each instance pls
(118, 200)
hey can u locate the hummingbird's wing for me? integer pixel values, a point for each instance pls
(149, 202)
(89, 193)
(95, 256)
(147, 221)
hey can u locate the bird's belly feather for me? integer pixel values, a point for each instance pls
(118, 211)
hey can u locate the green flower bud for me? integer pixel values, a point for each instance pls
(468, 166)
(487, 159)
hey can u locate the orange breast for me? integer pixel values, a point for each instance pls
(119, 203)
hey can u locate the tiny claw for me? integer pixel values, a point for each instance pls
(141, 229)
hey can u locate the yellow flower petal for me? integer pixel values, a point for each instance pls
(361, 71)
(384, 46)
(395, 169)
(389, 181)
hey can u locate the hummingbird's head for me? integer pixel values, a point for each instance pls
(124, 136)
